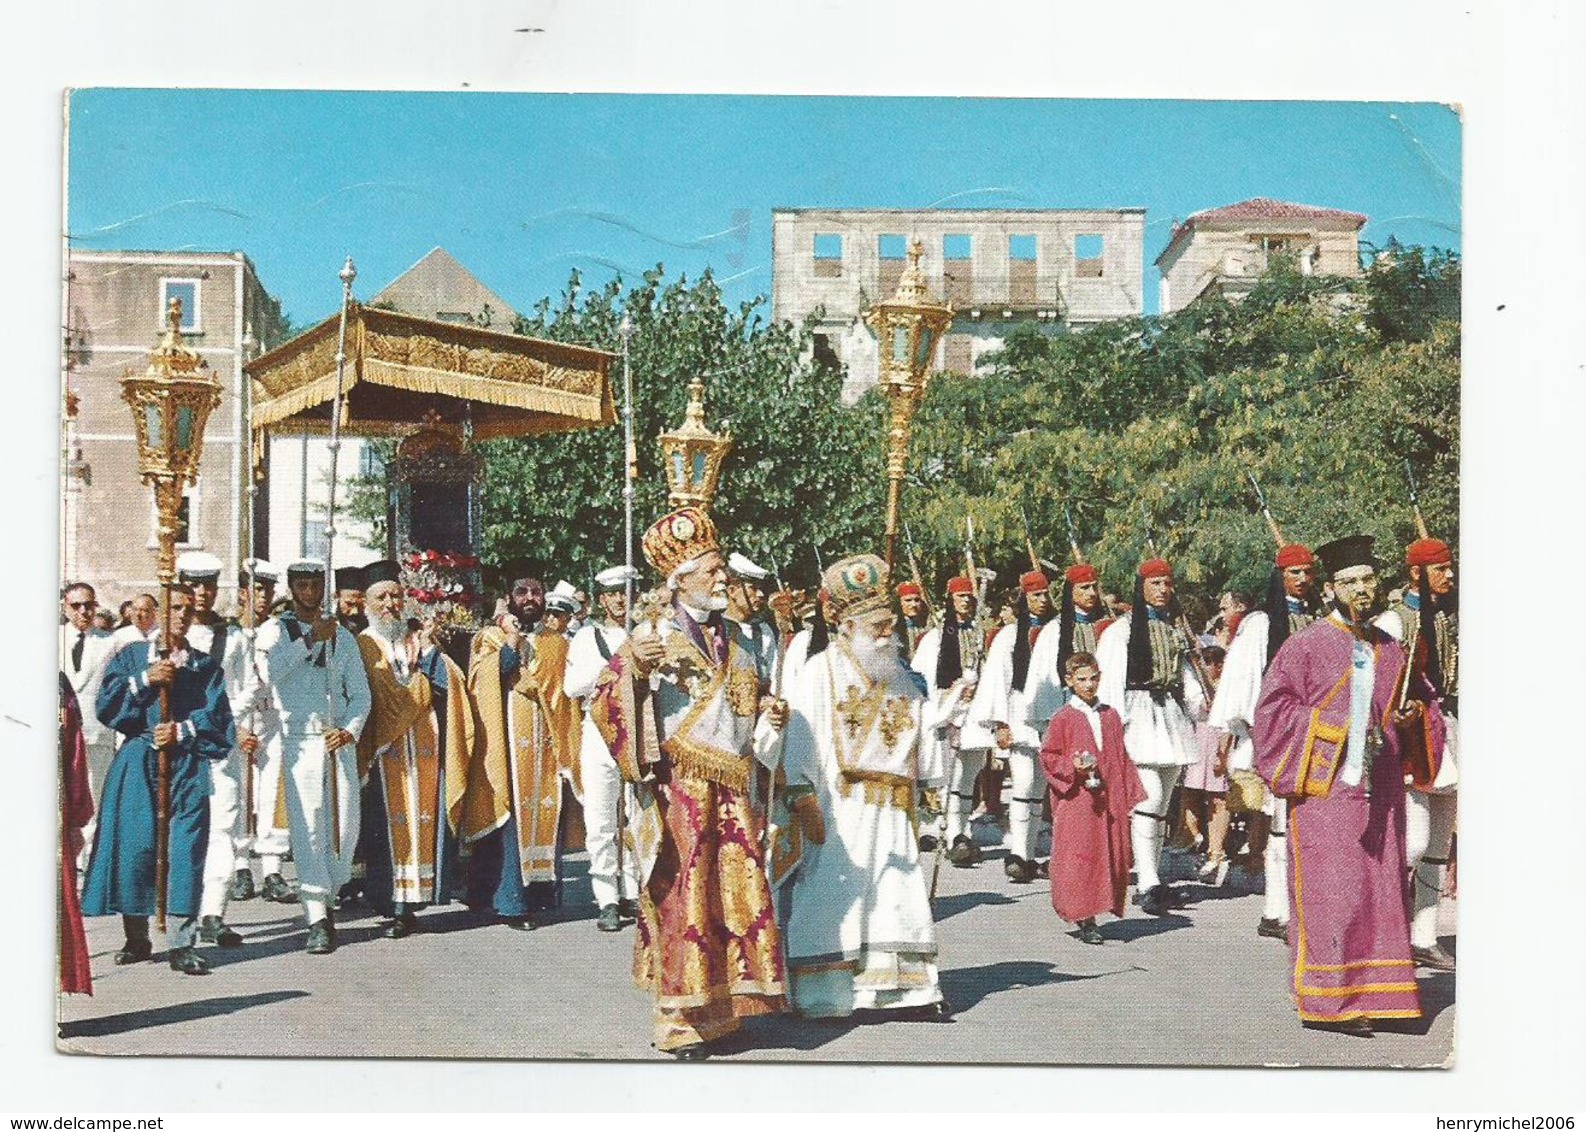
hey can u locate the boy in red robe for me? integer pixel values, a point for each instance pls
(1094, 788)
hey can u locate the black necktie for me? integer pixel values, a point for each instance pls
(77, 652)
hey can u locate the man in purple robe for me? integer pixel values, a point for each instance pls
(1333, 729)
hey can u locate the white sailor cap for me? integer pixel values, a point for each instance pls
(264, 572)
(305, 566)
(616, 577)
(741, 567)
(563, 598)
(198, 566)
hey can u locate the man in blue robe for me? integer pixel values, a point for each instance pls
(198, 729)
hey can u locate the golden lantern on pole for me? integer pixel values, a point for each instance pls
(170, 401)
(692, 455)
(907, 327)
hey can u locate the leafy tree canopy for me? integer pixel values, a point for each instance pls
(1322, 387)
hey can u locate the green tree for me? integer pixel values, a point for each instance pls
(803, 471)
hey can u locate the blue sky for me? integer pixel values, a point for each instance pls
(524, 187)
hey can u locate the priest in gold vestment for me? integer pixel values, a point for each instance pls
(525, 750)
(412, 759)
(685, 713)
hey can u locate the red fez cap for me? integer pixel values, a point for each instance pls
(1156, 568)
(1295, 555)
(959, 585)
(1428, 552)
(1081, 574)
(909, 589)
(1033, 582)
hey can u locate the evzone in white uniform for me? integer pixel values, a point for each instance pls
(1234, 710)
(317, 686)
(616, 890)
(1430, 814)
(860, 934)
(998, 702)
(945, 719)
(1159, 713)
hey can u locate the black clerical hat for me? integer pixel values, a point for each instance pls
(1343, 553)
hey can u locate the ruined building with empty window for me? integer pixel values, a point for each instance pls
(1056, 268)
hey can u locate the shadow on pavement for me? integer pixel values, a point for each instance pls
(1139, 926)
(783, 1032)
(947, 907)
(1437, 995)
(177, 1012)
(965, 987)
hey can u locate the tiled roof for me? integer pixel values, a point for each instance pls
(1254, 210)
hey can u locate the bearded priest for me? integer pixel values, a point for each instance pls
(412, 757)
(685, 713)
(860, 934)
(1341, 721)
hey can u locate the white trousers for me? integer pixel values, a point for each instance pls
(1024, 802)
(323, 865)
(966, 767)
(1148, 823)
(228, 833)
(1276, 906)
(270, 841)
(603, 786)
(1428, 837)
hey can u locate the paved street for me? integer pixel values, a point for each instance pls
(1196, 987)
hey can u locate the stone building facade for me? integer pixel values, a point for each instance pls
(1225, 250)
(114, 305)
(1052, 268)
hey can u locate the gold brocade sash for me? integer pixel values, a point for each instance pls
(868, 721)
(726, 694)
(409, 775)
(487, 800)
(397, 708)
(394, 706)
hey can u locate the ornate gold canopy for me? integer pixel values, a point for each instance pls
(402, 369)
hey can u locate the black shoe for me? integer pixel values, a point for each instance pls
(927, 843)
(963, 852)
(1090, 933)
(520, 923)
(277, 890)
(134, 951)
(188, 962)
(320, 939)
(241, 887)
(1433, 958)
(1273, 929)
(610, 919)
(212, 929)
(695, 1052)
(1156, 901)
(628, 908)
(1353, 1027)
(1044, 870)
(401, 927)
(1018, 870)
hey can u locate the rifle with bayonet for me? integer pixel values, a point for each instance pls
(1272, 524)
(1073, 537)
(1415, 503)
(914, 572)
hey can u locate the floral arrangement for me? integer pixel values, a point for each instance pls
(442, 583)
